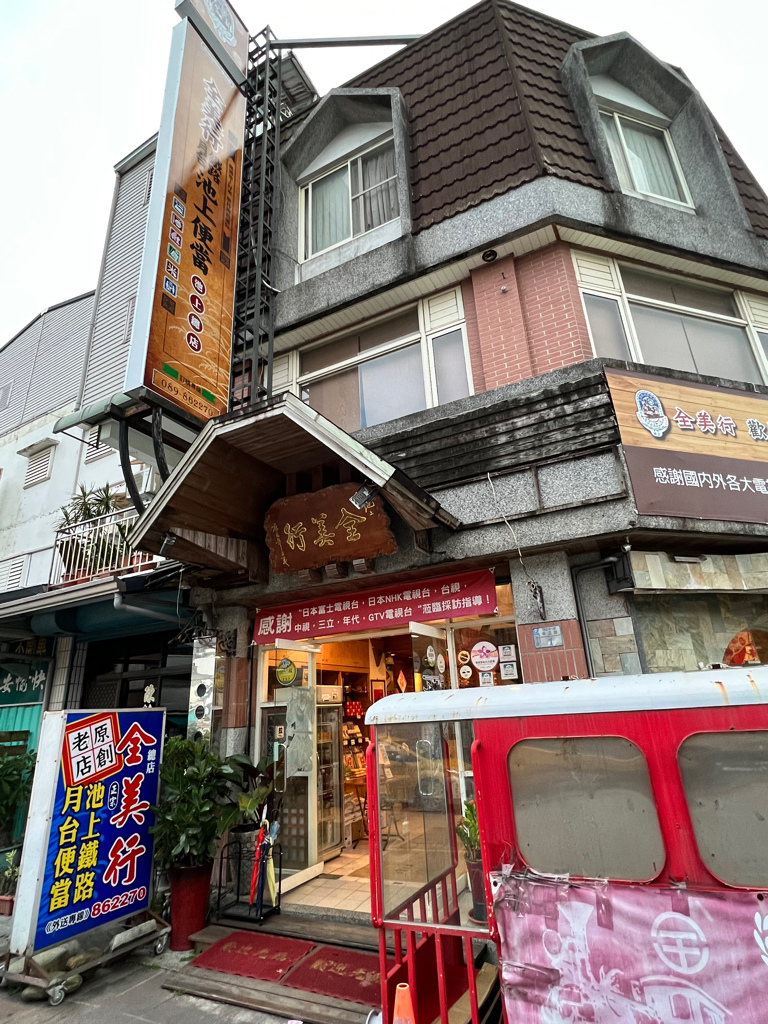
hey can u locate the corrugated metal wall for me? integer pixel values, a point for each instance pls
(22, 718)
(109, 346)
(44, 363)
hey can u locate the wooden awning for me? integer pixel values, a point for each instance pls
(211, 509)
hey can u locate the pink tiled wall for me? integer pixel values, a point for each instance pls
(526, 317)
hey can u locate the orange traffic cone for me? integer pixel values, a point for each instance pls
(403, 1006)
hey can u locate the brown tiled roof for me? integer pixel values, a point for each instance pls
(488, 112)
(752, 196)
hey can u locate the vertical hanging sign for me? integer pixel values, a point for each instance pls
(182, 332)
(88, 849)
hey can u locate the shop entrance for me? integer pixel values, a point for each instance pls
(311, 726)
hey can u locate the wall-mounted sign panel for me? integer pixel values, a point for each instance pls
(87, 857)
(693, 450)
(181, 341)
(388, 607)
(221, 28)
(307, 531)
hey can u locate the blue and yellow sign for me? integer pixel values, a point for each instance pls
(98, 864)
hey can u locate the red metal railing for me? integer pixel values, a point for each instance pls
(438, 961)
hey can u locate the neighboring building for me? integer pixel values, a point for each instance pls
(110, 621)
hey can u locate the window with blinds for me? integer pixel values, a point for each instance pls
(95, 448)
(12, 573)
(39, 467)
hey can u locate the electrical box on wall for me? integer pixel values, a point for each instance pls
(328, 694)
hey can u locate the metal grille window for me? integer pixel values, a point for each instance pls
(647, 317)
(39, 466)
(12, 573)
(391, 368)
(5, 395)
(584, 806)
(349, 200)
(725, 776)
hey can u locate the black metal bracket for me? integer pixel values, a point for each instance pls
(158, 444)
(125, 465)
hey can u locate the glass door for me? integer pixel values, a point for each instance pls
(430, 657)
(329, 790)
(288, 738)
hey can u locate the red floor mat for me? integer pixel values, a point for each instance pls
(264, 957)
(340, 974)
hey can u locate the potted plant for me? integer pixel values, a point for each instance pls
(8, 880)
(251, 805)
(197, 803)
(85, 553)
(16, 772)
(468, 831)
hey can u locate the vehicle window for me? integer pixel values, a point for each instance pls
(583, 806)
(725, 776)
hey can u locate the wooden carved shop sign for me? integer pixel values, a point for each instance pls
(307, 531)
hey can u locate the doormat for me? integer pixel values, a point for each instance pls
(264, 957)
(339, 974)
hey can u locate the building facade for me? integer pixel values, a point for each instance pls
(518, 409)
(519, 398)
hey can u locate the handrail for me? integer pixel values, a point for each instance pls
(96, 547)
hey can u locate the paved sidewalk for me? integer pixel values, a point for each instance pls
(130, 992)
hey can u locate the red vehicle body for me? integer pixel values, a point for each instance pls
(624, 835)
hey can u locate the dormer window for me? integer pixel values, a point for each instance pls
(640, 144)
(353, 198)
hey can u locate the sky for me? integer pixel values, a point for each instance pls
(81, 86)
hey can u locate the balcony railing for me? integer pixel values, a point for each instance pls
(97, 547)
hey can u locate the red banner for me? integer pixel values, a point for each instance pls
(448, 597)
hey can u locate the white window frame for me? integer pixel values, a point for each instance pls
(423, 337)
(305, 200)
(7, 573)
(624, 298)
(617, 117)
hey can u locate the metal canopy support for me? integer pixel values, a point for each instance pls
(125, 465)
(254, 322)
(158, 444)
(309, 44)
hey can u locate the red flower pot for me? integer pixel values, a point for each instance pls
(189, 903)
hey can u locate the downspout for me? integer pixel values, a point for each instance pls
(576, 571)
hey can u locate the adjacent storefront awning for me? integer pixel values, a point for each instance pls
(212, 508)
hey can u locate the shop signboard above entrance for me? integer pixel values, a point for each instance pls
(691, 449)
(307, 531)
(464, 595)
(181, 340)
(87, 857)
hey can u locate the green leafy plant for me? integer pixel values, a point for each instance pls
(10, 876)
(468, 831)
(90, 503)
(16, 772)
(259, 779)
(198, 802)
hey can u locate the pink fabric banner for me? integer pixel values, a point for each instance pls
(619, 954)
(467, 594)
